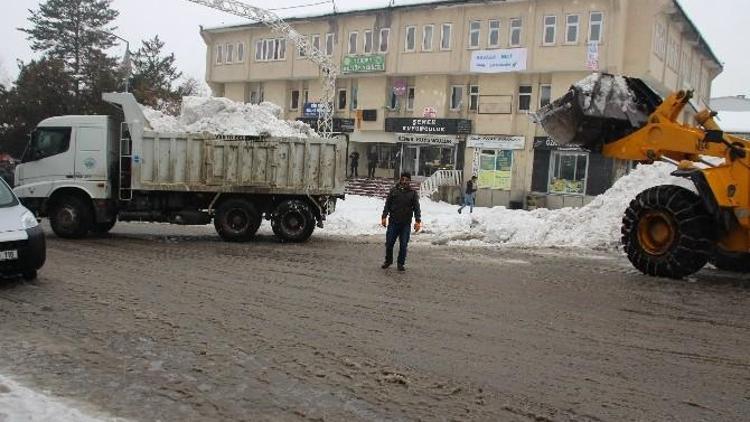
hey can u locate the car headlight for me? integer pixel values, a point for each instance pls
(28, 220)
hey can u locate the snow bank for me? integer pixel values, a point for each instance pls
(596, 225)
(226, 117)
(18, 403)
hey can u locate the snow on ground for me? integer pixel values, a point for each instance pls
(21, 404)
(219, 115)
(596, 225)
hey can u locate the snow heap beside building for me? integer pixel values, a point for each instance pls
(223, 116)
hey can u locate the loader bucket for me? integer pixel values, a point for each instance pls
(599, 109)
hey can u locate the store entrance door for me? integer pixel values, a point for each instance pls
(410, 161)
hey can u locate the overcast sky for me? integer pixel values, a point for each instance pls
(722, 22)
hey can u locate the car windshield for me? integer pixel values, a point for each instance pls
(7, 199)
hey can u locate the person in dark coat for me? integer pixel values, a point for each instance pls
(372, 163)
(402, 204)
(354, 163)
(470, 195)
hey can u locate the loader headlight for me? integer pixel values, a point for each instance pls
(28, 220)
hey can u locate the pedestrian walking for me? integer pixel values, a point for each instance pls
(354, 163)
(372, 163)
(402, 204)
(470, 195)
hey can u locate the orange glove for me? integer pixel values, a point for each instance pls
(384, 222)
(417, 227)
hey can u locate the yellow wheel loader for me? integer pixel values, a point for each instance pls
(667, 231)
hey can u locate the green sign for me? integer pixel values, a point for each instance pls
(364, 64)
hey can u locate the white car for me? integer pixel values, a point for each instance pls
(22, 246)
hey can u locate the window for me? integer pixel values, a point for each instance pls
(230, 53)
(355, 97)
(673, 53)
(411, 33)
(393, 103)
(219, 54)
(572, 22)
(368, 42)
(410, 91)
(568, 172)
(550, 29)
(294, 104)
(342, 99)
(445, 36)
(258, 50)
(495, 169)
(385, 34)
(7, 199)
(254, 97)
(241, 52)
(353, 42)
(427, 37)
(329, 44)
(281, 49)
(306, 96)
(474, 28)
(685, 68)
(516, 25)
(493, 38)
(660, 40)
(596, 26)
(46, 142)
(474, 98)
(301, 51)
(457, 97)
(316, 41)
(545, 95)
(524, 98)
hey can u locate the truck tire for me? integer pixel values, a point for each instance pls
(666, 232)
(71, 217)
(738, 262)
(293, 221)
(237, 220)
(103, 228)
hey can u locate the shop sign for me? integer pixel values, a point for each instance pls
(429, 112)
(428, 126)
(313, 109)
(496, 142)
(499, 61)
(399, 87)
(411, 138)
(363, 64)
(339, 125)
(545, 142)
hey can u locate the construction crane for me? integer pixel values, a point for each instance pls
(266, 17)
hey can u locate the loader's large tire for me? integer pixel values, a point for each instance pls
(667, 232)
(738, 262)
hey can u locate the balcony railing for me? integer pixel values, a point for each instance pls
(438, 179)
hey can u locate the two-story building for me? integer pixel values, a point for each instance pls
(450, 85)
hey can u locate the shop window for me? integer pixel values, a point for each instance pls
(410, 91)
(516, 25)
(411, 35)
(474, 98)
(596, 26)
(294, 104)
(493, 38)
(495, 169)
(545, 95)
(524, 98)
(385, 34)
(445, 36)
(353, 42)
(474, 30)
(387, 156)
(427, 37)
(572, 23)
(568, 172)
(457, 97)
(550, 29)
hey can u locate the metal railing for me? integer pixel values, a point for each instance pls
(438, 179)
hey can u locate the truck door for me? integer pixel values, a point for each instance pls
(91, 156)
(49, 157)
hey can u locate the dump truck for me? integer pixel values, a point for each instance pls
(86, 172)
(667, 231)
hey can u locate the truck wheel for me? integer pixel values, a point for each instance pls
(103, 228)
(738, 262)
(293, 221)
(29, 275)
(667, 232)
(71, 217)
(237, 220)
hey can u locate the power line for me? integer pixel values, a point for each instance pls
(303, 5)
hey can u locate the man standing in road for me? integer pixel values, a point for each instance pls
(354, 163)
(372, 163)
(402, 203)
(470, 196)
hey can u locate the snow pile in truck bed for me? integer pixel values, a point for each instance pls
(596, 225)
(223, 116)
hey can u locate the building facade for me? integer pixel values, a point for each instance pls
(451, 85)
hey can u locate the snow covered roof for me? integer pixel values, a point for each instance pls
(733, 103)
(735, 121)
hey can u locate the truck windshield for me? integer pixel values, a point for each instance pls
(46, 142)
(7, 198)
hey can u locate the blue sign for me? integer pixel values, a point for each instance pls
(313, 109)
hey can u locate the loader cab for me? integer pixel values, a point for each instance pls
(66, 151)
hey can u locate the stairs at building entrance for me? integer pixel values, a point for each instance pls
(377, 187)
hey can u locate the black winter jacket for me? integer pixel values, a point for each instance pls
(401, 204)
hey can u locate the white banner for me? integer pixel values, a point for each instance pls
(495, 142)
(413, 138)
(499, 61)
(592, 55)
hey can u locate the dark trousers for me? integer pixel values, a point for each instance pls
(371, 171)
(354, 170)
(400, 231)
